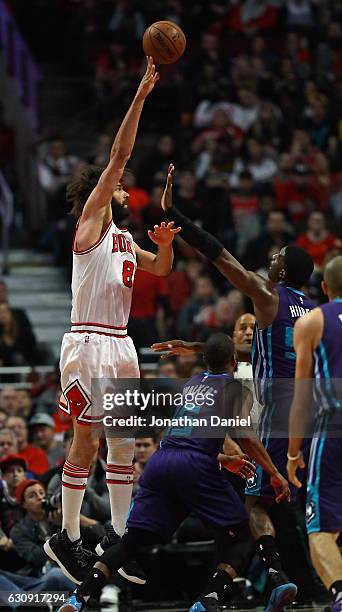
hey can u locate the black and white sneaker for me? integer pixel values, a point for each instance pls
(131, 570)
(72, 558)
(109, 539)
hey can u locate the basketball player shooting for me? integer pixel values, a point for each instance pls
(105, 258)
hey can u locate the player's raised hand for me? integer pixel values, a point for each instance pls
(292, 466)
(281, 487)
(238, 464)
(175, 347)
(149, 79)
(166, 201)
(163, 234)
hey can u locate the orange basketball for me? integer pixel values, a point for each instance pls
(165, 41)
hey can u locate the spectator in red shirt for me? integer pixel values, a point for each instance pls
(149, 292)
(317, 240)
(296, 196)
(36, 458)
(138, 197)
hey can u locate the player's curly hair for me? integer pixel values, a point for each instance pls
(79, 190)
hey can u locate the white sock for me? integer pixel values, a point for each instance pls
(119, 477)
(74, 482)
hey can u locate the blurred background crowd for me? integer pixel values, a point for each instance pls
(251, 119)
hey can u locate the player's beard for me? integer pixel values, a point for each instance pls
(121, 214)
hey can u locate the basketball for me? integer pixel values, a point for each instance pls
(164, 41)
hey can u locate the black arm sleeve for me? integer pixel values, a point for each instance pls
(195, 236)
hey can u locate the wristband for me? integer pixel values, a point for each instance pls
(294, 458)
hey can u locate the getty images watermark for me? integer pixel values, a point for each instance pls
(179, 407)
(169, 404)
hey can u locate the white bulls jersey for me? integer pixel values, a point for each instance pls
(98, 346)
(102, 283)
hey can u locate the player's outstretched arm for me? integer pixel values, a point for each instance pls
(176, 347)
(96, 209)
(248, 282)
(125, 138)
(169, 348)
(307, 335)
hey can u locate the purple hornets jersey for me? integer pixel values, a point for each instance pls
(324, 484)
(328, 359)
(212, 386)
(273, 355)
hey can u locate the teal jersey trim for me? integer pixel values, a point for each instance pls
(313, 496)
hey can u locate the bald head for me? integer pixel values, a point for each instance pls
(243, 330)
(332, 284)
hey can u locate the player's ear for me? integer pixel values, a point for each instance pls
(282, 274)
(324, 287)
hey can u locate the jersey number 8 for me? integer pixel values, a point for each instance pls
(128, 273)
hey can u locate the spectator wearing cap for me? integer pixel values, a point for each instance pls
(13, 468)
(30, 533)
(43, 435)
(36, 458)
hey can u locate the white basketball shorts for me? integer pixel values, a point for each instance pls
(85, 357)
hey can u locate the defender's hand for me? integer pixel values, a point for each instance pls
(163, 234)
(238, 464)
(174, 347)
(281, 487)
(166, 201)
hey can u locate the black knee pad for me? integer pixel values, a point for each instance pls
(235, 546)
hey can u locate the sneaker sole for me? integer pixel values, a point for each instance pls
(130, 578)
(51, 554)
(281, 596)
